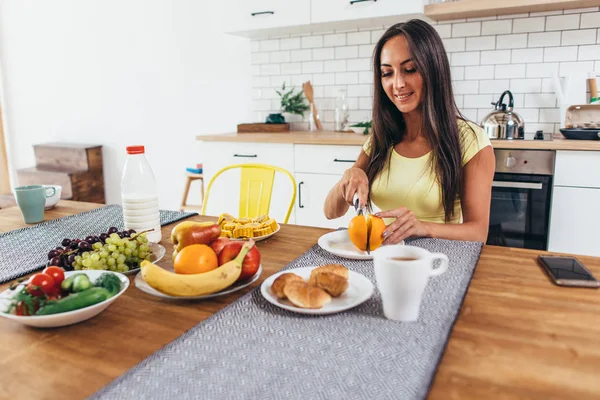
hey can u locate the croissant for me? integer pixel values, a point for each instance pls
(282, 280)
(333, 284)
(338, 269)
(303, 295)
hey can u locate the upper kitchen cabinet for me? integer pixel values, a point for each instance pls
(359, 13)
(264, 18)
(256, 18)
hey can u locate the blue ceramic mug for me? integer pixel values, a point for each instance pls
(31, 200)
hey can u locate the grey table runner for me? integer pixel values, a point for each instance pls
(25, 250)
(254, 350)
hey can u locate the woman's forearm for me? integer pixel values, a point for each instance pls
(468, 231)
(335, 205)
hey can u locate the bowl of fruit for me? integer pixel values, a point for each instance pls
(56, 298)
(114, 250)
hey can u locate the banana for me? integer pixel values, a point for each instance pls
(196, 284)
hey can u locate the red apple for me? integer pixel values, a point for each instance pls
(218, 244)
(251, 261)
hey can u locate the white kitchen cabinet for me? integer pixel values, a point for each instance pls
(346, 10)
(225, 193)
(577, 169)
(575, 220)
(251, 15)
(312, 191)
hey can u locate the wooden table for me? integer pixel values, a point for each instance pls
(517, 335)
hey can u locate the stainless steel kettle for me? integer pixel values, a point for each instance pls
(503, 122)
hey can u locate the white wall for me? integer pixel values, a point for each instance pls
(488, 56)
(121, 72)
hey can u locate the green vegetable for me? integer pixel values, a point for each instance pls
(110, 282)
(81, 283)
(75, 301)
(67, 284)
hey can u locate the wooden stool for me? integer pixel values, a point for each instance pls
(190, 177)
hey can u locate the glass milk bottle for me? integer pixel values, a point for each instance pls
(341, 112)
(139, 195)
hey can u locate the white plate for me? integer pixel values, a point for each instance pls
(259, 238)
(66, 318)
(338, 243)
(141, 284)
(360, 289)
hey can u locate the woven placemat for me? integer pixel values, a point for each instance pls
(252, 349)
(26, 250)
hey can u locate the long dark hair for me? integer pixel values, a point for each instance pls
(439, 111)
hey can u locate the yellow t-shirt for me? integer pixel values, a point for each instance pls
(411, 183)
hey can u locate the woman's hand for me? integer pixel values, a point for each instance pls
(354, 181)
(405, 225)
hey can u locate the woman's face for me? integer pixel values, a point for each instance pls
(400, 80)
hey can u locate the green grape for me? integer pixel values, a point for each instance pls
(131, 244)
(121, 259)
(135, 253)
(144, 248)
(97, 246)
(103, 254)
(128, 252)
(78, 258)
(115, 237)
(95, 257)
(85, 254)
(112, 247)
(121, 249)
(86, 263)
(110, 261)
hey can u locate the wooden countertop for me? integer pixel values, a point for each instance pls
(516, 336)
(354, 139)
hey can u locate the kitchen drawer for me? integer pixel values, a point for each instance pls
(222, 154)
(245, 15)
(341, 10)
(325, 159)
(577, 169)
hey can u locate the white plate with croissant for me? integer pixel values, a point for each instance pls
(317, 290)
(339, 244)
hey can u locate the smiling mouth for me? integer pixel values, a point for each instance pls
(403, 96)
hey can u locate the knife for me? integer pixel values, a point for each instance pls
(360, 211)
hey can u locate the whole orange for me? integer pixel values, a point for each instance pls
(195, 259)
(362, 226)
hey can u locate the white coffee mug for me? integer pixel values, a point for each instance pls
(53, 200)
(402, 273)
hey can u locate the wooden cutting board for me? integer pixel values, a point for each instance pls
(263, 128)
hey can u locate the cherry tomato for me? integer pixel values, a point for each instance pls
(43, 282)
(57, 273)
(22, 309)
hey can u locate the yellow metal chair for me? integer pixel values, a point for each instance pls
(256, 188)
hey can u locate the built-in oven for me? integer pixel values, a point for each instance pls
(521, 198)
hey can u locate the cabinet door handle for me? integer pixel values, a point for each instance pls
(340, 160)
(246, 155)
(362, 1)
(273, 12)
(300, 195)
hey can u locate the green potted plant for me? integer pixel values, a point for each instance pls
(291, 102)
(362, 127)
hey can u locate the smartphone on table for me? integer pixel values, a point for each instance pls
(568, 271)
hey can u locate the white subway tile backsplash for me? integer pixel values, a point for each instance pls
(509, 71)
(564, 53)
(302, 55)
(465, 58)
(549, 115)
(358, 38)
(513, 16)
(580, 67)
(541, 70)
(326, 53)
(346, 78)
(280, 56)
(366, 50)
(444, 30)
(533, 85)
(544, 39)
(562, 22)
(466, 87)
(581, 36)
(493, 86)
(534, 100)
(269, 45)
(338, 39)
(589, 53)
(496, 27)
(336, 66)
(479, 72)
(466, 29)
(527, 55)
(481, 19)
(481, 43)
(495, 57)
(515, 41)
(346, 52)
(454, 45)
(488, 55)
(535, 24)
(590, 20)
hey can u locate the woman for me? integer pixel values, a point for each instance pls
(425, 166)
